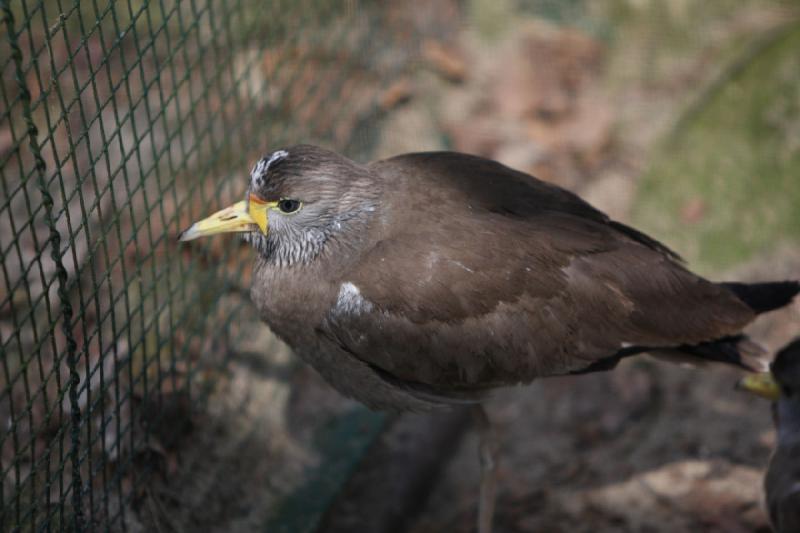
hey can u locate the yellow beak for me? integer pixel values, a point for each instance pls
(246, 215)
(763, 385)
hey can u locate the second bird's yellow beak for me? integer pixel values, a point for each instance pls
(246, 215)
(763, 385)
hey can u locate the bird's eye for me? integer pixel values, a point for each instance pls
(288, 206)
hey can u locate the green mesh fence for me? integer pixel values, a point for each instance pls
(121, 122)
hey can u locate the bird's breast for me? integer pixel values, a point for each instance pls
(293, 301)
(294, 304)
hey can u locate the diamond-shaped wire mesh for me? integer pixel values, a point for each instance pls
(121, 122)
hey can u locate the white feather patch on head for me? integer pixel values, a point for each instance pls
(259, 172)
(350, 300)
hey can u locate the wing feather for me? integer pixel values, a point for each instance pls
(512, 279)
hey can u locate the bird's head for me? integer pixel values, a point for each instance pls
(782, 385)
(783, 378)
(298, 200)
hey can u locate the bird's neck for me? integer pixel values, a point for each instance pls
(296, 250)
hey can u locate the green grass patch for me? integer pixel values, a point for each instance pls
(727, 184)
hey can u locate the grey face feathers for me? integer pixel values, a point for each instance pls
(322, 198)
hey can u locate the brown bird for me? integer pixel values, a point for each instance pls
(782, 482)
(428, 279)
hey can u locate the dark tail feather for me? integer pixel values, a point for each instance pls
(737, 350)
(763, 297)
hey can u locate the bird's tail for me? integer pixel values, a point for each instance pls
(738, 350)
(763, 297)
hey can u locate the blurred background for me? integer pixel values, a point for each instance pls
(139, 391)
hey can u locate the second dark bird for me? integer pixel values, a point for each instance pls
(782, 481)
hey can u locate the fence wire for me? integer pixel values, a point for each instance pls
(120, 123)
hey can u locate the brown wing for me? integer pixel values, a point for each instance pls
(512, 279)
